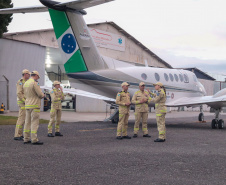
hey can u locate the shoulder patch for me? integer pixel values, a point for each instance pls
(158, 94)
(20, 83)
(119, 94)
(52, 92)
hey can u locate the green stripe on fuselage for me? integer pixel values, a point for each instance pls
(60, 22)
(75, 63)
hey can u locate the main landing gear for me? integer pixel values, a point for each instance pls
(217, 122)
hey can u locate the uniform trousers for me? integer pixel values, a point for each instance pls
(31, 125)
(160, 118)
(138, 117)
(20, 122)
(122, 124)
(55, 117)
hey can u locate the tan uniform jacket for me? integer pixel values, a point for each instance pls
(159, 100)
(20, 92)
(121, 99)
(137, 97)
(33, 94)
(56, 97)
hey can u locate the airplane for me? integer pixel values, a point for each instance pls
(93, 76)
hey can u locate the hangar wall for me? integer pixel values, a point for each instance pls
(133, 53)
(14, 57)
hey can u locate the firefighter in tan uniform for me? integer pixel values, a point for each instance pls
(33, 95)
(160, 110)
(21, 103)
(57, 96)
(123, 100)
(141, 99)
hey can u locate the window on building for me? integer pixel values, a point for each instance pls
(166, 77)
(171, 77)
(181, 77)
(157, 77)
(176, 77)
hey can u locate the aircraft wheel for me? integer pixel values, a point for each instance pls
(115, 120)
(201, 117)
(214, 124)
(221, 124)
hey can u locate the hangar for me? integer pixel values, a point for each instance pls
(38, 50)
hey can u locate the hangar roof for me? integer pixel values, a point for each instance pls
(110, 23)
(200, 74)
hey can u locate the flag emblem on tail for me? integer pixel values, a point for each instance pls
(68, 43)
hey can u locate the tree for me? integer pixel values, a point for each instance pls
(5, 19)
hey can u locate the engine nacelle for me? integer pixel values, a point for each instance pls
(220, 93)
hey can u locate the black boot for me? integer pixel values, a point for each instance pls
(146, 135)
(38, 143)
(135, 135)
(27, 142)
(126, 137)
(119, 137)
(159, 140)
(58, 134)
(18, 138)
(50, 135)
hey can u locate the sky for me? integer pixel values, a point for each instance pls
(184, 33)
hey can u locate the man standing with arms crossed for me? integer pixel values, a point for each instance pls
(57, 96)
(21, 103)
(123, 100)
(141, 99)
(33, 94)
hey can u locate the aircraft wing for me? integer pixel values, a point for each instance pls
(215, 102)
(30, 9)
(83, 93)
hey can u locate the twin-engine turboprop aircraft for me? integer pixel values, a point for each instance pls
(89, 71)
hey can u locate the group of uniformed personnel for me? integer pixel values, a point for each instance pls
(141, 99)
(29, 95)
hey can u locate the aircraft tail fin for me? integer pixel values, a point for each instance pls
(78, 48)
(79, 52)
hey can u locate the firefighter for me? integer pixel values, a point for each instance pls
(123, 100)
(33, 94)
(21, 103)
(57, 95)
(141, 99)
(160, 110)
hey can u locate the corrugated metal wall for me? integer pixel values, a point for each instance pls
(14, 57)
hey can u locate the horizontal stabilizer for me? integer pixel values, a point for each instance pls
(31, 9)
(83, 4)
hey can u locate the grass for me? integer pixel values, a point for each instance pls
(11, 120)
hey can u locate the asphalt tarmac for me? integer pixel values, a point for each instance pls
(89, 154)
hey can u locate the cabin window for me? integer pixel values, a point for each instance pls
(144, 76)
(195, 78)
(181, 77)
(166, 77)
(186, 79)
(157, 77)
(176, 77)
(171, 77)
